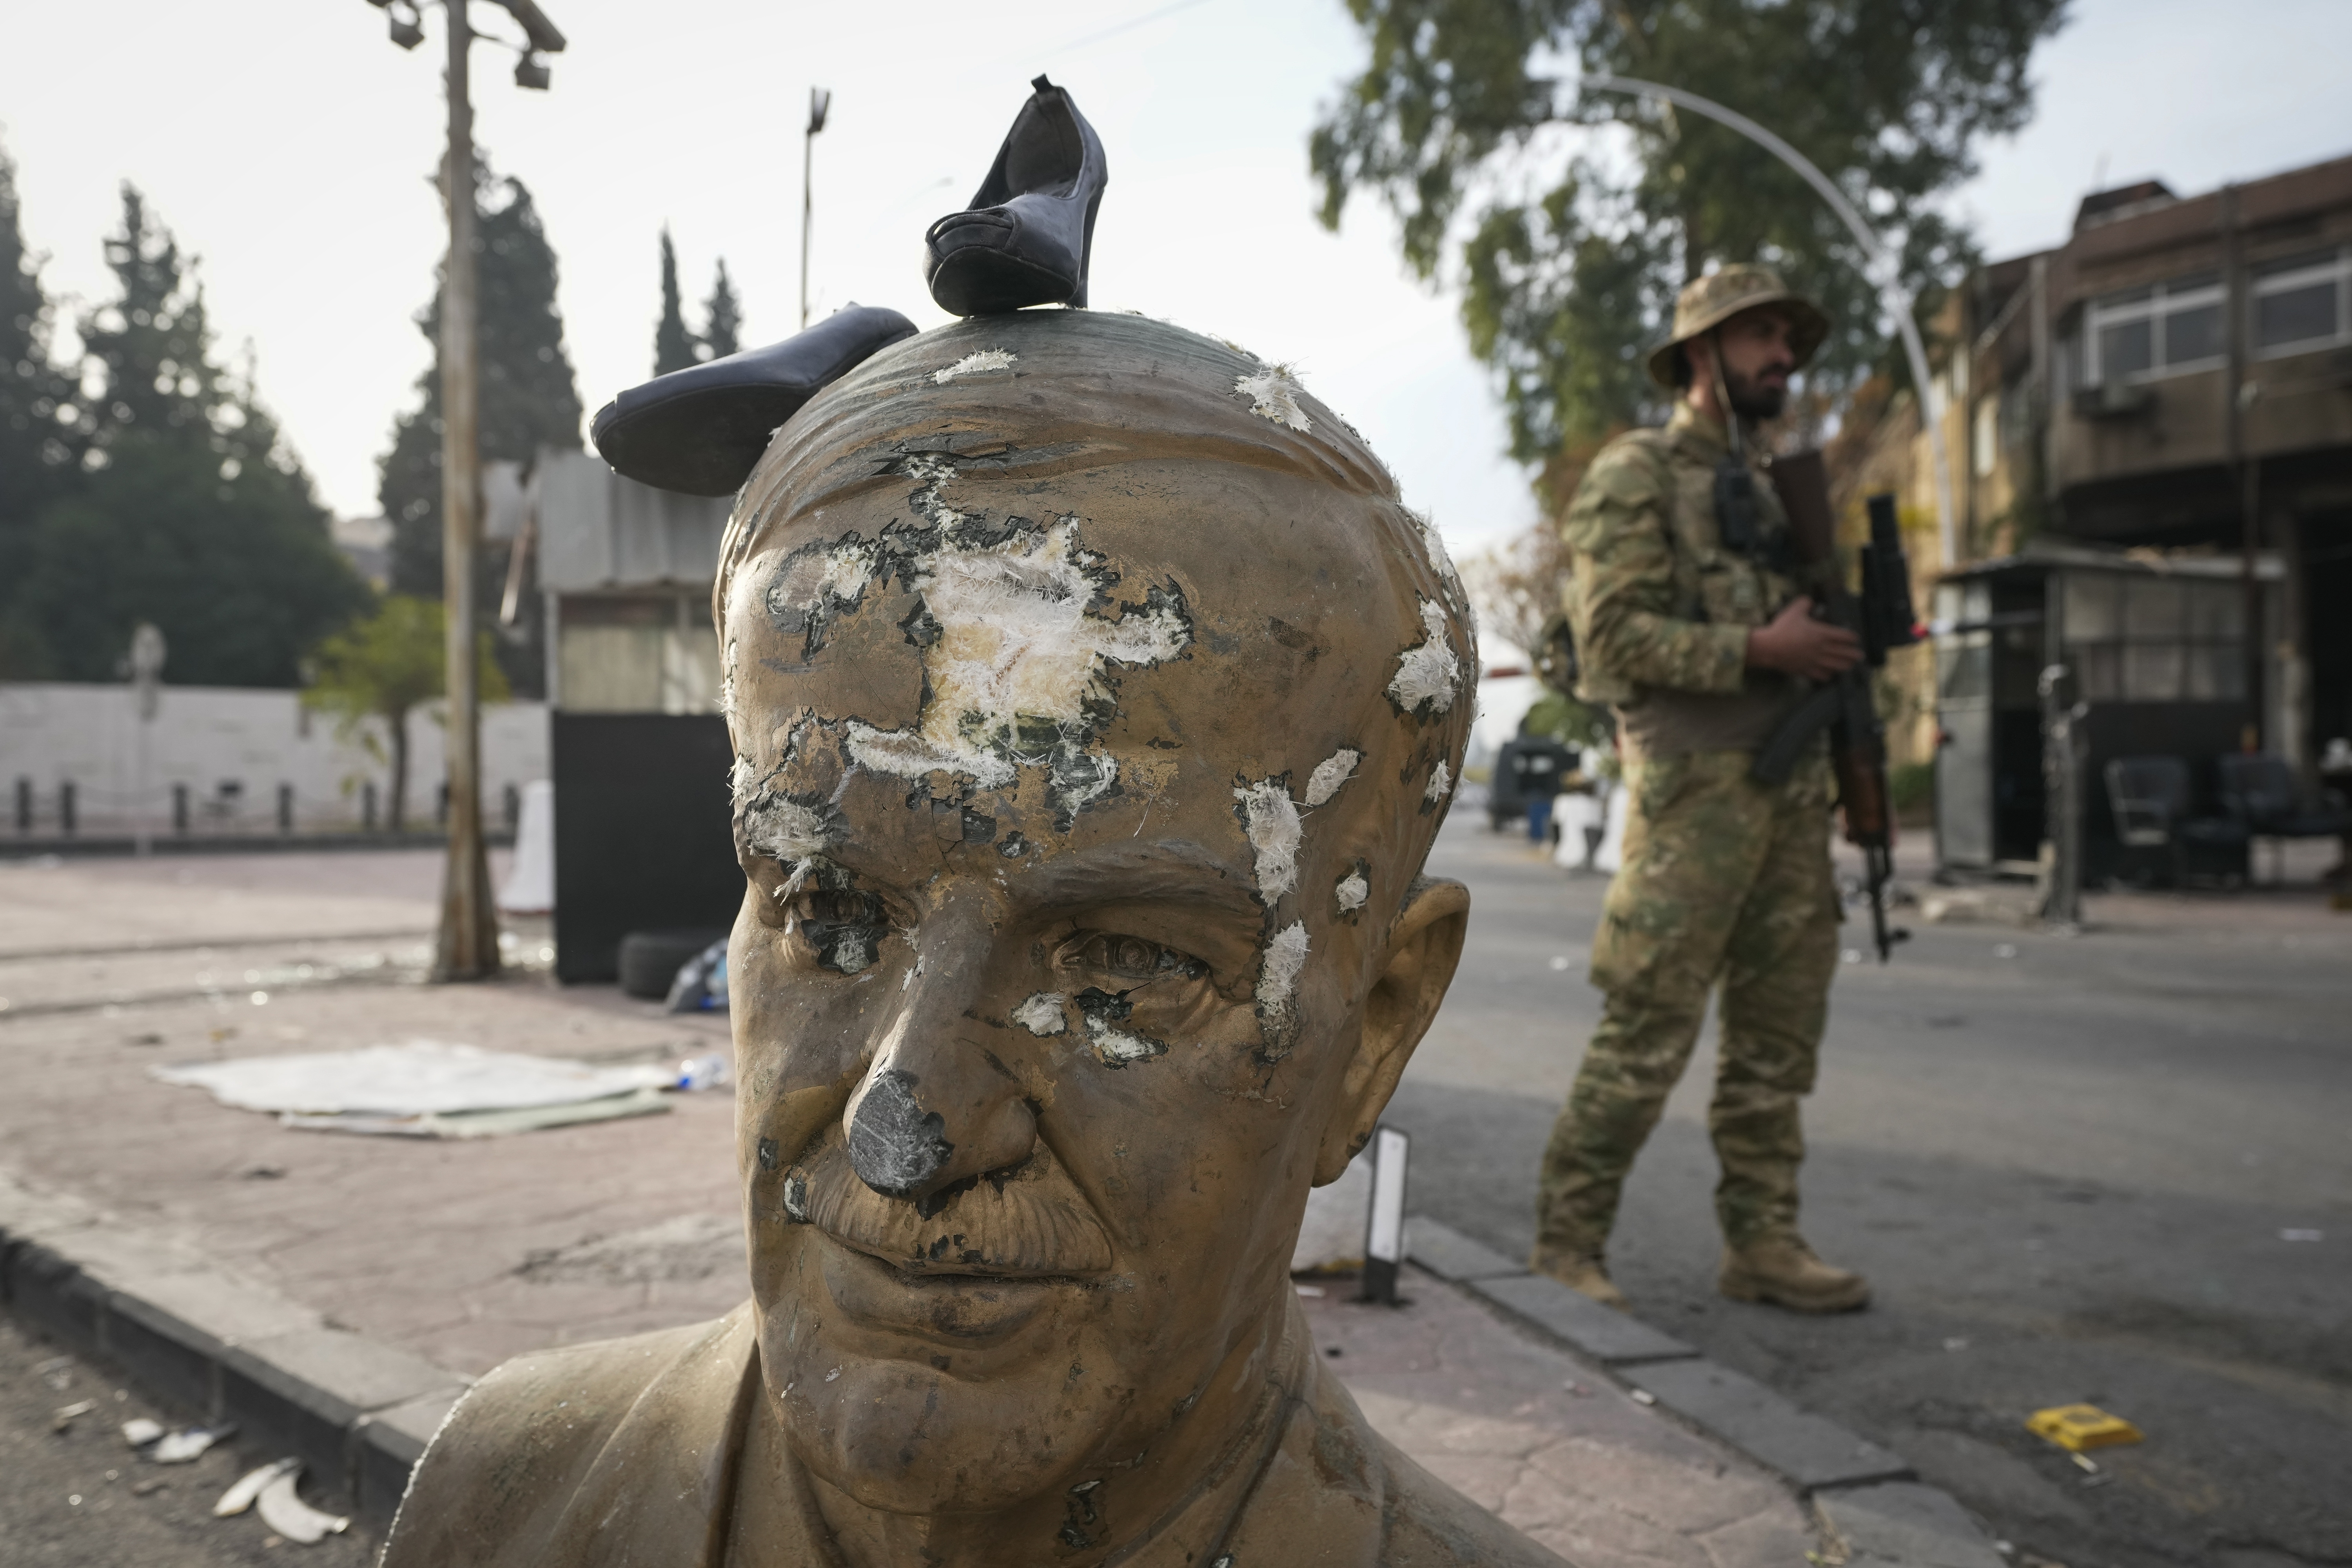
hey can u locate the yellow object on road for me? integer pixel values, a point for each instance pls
(2075, 1427)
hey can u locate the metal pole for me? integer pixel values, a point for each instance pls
(1889, 284)
(468, 944)
(820, 103)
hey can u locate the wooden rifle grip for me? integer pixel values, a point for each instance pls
(1862, 792)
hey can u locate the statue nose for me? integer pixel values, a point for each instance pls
(935, 1108)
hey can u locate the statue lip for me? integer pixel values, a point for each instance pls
(965, 1310)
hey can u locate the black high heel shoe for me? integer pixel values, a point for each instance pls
(1030, 230)
(702, 430)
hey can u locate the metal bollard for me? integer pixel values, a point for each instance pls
(24, 806)
(180, 809)
(285, 808)
(441, 807)
(367, 807)
(66, 808)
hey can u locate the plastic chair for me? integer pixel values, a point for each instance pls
(2258, 791)
(2149, 797)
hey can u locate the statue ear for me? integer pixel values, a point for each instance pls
(1424, 944)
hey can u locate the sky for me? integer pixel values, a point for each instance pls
(290, 144)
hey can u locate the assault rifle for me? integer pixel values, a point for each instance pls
(1882, 619)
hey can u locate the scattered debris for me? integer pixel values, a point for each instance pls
(2004, 950)
(292, 1518)
(150, 1487)
(56, 1371)
(139, 1431)
(64, 1415)
(1559, 961)
(1956, 1342)
(1576, 1389)
(1311, 1291)
(247, 1487)
(186, 1445)
(1644, 1396)
(2075, 1427)
(2293, 1234)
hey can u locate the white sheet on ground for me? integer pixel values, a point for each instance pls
(426, 1088)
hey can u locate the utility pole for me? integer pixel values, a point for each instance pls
(467, 947)
(820, 104)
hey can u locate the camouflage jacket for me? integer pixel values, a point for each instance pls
(1654, 601)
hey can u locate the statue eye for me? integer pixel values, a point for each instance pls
(841, 929)
(1130, 958)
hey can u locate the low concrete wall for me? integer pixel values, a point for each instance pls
(53, 734)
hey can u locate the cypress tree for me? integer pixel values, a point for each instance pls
(528, 400)
(40, 439)
(673, 344)
(724, 315)
(191, 513)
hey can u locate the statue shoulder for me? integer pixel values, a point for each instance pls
(543, 1432)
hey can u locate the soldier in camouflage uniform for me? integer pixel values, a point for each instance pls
(1691, 621)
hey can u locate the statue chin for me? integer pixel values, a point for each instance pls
(888, 1435)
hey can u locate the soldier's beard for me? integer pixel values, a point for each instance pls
(1750, 401)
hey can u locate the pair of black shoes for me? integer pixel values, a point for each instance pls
(1026, 239)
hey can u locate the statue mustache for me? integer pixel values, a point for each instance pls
(1028, 1221)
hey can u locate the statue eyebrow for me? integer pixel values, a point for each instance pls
(1174, 869)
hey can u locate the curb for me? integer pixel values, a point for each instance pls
(357, 1413)
(1867, 1496)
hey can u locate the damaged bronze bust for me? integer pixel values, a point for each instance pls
(1095, 702)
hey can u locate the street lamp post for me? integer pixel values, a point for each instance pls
(1888, 283)
(467, 947)
(820, 104)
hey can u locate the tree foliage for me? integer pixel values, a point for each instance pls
(184, 508)
(1577, 213)
(723, 316)
(528, 398)
(39, 446)
(673, 346)
(384, 666)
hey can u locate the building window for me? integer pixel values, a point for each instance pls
(2133, 638)
(1985, 442)
(2299, 302)
(2167, 329)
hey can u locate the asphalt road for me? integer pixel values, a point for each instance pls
(77, 1496)
(2070, 1166)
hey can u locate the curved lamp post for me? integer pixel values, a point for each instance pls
(1931, 412)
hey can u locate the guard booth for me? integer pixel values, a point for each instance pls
(638, 754)
(2155, 650)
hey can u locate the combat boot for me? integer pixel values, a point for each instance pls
(1781, 1269)
(1582, 1272)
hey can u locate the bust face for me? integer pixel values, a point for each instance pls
(1075, 811)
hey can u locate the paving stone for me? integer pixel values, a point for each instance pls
(1601, 1332)
(1450, 1254)
(1902, 1524)
(1811, 1451)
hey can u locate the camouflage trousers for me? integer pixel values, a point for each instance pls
(1723, 880)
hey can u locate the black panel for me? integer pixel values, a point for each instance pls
(641, 834)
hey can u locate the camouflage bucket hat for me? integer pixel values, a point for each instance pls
(1720, 295)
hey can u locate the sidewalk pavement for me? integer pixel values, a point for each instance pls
(332, 1294)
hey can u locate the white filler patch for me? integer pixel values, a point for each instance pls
(1330, 774)
(1274, 395)
(974, 363)
(1351, 892)
(1016, 643)
(1427, 671)
(784, 830)
(1119, 1047)
(1042, 1014)
(1278, 974)
(1440, 780)
(1272, 824)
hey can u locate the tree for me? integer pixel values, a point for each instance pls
(40, 447)
(1574, 245)
(673, 346)
(527, 398)
(190, 511)
(722, 334)
(384, 666)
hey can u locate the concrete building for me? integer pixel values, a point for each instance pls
(2176, 379)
